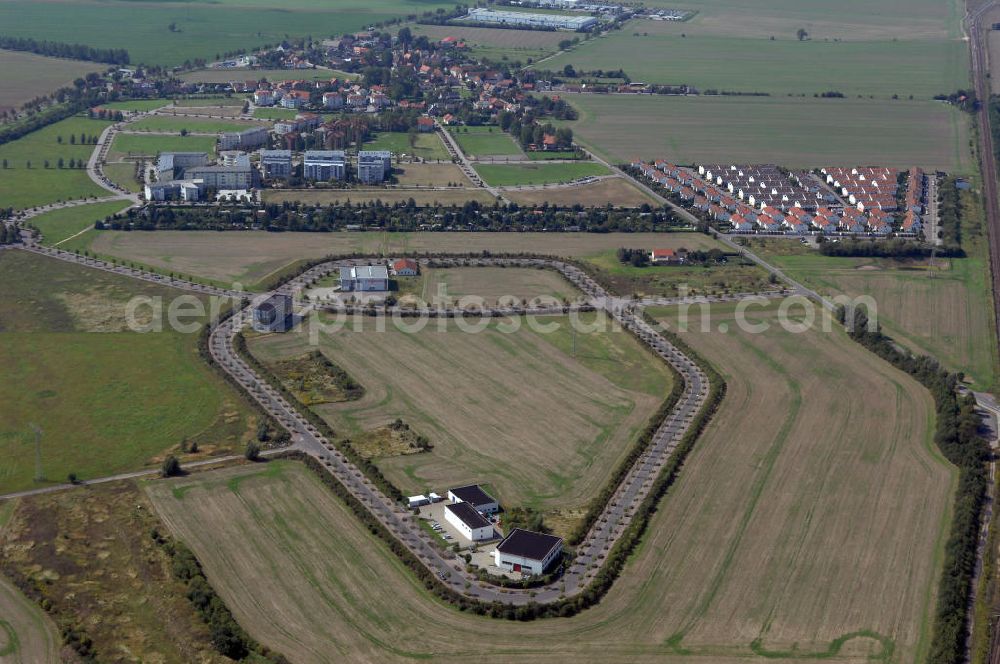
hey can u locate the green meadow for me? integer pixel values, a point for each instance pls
(26, 182)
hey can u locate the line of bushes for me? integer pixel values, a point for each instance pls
(956, 435)
(115, 56)
(370, 470)
(228, 637)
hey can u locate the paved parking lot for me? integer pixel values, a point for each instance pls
(435, 514)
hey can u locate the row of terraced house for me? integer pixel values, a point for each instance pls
(766, 199)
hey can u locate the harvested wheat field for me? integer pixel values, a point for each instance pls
(430, 175)
(494, 284)
(252, 256)
(27, 635)
(610, 191)
(808, 521)
(513, 409)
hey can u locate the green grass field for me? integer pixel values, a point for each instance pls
(485, 141)
(787, 131)
(21, 187)
(509, 175)
(108, 399)
(122, 173)
(136, 144)
(136, 105)
(427, 146)
(27, 76)
(784, 66)
(202, 30)
(58, 225)
(195, 125)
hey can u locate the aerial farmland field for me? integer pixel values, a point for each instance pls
(425, 146)
(57, 226)
(769, 544)
(22, 186)
(789, 131)
(250, 257)
(202, 30)
(542, 427)
(784, 66)
(126, 145)
(485, 142)
(192, 124)
(613, 191)
(107, 399)
(27, 76)
(536, 173)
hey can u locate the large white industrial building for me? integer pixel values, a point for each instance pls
(514, 19)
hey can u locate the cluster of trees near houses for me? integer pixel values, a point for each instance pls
(114, 56)
(641, 257)
(398, 216)
(956, 435)
(61, 104)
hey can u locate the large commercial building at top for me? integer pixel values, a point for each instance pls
(554, 21)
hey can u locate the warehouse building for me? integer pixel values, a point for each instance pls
(365, 278)
(474, 495)
(516, 19)
(470, 523)
(324, 165)
(527, 552)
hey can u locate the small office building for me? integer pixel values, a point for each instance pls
(473, 525)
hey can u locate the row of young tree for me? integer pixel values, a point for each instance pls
(397, 216)
(956, 435)
(115, 56)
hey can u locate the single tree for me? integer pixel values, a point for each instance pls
(252, 452)
(171, 467)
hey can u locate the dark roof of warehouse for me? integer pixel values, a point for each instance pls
(468, 515)
(473, 494)
(528, 544)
